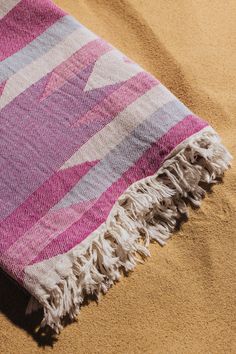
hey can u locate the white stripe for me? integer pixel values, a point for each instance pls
(7, 6)
(121, 126)
(36, 240)
(30, 74)
(110, 69)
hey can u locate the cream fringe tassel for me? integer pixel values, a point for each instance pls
(148, 210)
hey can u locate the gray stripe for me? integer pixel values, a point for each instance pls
(123, 156)
(39, 46)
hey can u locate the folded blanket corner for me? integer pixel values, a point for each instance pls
(147, 211)
(97, 157)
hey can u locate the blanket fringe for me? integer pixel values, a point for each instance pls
(148, 210)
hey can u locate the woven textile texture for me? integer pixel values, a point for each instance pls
(97, 158)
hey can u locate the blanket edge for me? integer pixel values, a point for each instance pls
(149, 210)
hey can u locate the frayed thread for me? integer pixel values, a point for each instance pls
(149, 210)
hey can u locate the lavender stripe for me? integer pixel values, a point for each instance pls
(39, 132)
(101, 176)
(40, 45)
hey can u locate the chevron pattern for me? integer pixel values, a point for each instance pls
(80, 122)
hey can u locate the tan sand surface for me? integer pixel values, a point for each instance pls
(182, 300)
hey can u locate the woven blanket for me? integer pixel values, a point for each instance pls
(97, 159)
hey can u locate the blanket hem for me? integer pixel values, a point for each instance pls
(148, 210)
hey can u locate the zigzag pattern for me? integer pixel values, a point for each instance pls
(80, 122)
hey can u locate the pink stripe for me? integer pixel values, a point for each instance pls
(85, 56)
(27, 20)
(24, 250)
(146, 165)
(28, 213)
(119, 99)
(2, 86)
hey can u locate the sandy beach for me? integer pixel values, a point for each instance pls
(182, 299)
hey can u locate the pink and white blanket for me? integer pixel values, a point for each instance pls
(97, 158)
